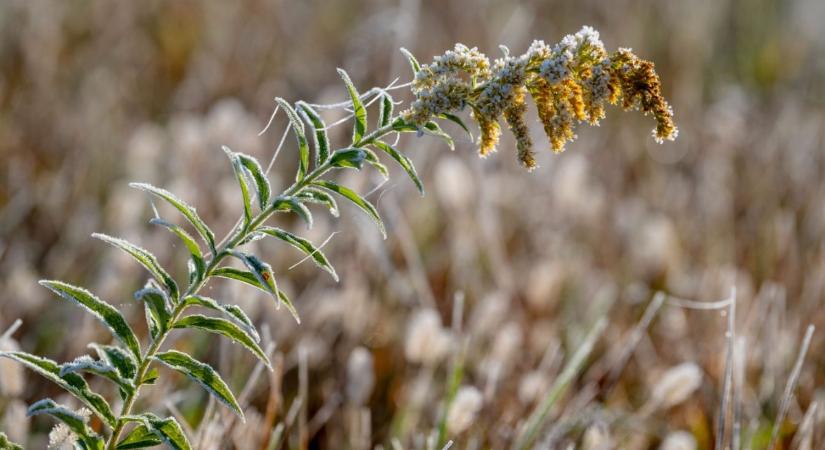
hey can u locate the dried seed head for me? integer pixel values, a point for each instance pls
(360, 376)
(596, 437)
(676, 385)
(61, 438)
(427, 342)
(464, 409)
(515, 117)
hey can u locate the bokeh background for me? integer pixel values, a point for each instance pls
(95, 94)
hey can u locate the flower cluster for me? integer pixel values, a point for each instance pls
(570, 83)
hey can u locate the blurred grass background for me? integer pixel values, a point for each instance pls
(94, 94)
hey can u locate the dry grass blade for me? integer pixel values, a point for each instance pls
(790, 386)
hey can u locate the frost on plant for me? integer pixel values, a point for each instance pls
(569, 83)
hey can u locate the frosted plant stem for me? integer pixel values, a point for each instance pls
(790, 386)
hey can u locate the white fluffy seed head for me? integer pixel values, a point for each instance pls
(464, 409)
(596, 437)
(676, 385)
(678, 440)
(360, 376)
(427, 342)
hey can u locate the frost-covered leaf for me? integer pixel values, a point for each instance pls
(139, 437)
(321, 139)
(76, 422)
(234, 312)
(70, 382)
(168, 430)
(265, 278)
(359, 111)
(348, 157)
(262, 187)
(157, 307)
(350, 195)
(102, 368)
(385, 113)
(105, 312)
(300, 135)
(312, 195)
(403, 161)
(224, 328)
(198, 263)
(303, 245)
(434, 129)
(187, 211)
(6, 444)
(413, 62)
(240, 175)
(293, 204)
(372, 159)
(202, 374)
(457, 120)
(117, 358)
(146, 259)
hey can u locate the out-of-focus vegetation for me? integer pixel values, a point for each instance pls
(93, 95)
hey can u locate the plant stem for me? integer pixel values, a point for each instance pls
(238, 233)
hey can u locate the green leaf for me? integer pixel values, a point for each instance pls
(118, 358)
(298, 129)
(198, 263)
(157, 307)
(239, 275)
(70, 382)
(358, 110)
(265, 278)
(105, 312)
(434, 129)
(139, 437)
(253, 167)
(321, 139)
(293, 204)
(373, 160)
(413, 62)
(233, 311)
(146, 259)
(385, 113)
(101, 368)
(348, 158)
(402, 126)
(312, 195)
(202, 374)
(224, 328)
(168, 430)
(457, 120)
(6, 444)
(187, 211)
(76, 422)
(350, 195)
(240, 175)
(303, 245)
(403, 161)
(150, 377)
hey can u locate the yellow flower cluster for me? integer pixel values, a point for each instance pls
(570, 83)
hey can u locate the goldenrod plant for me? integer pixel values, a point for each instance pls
(570, 83)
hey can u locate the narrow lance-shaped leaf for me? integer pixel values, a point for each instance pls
(233, 311)
(403, 161)
(198, 263)
(263, 274)
(224, 328)
(157, 308)
(293, 204)
(434, 129)
(237, 167)
(202, 374)
(313, 195)
(373, 160)
(101, 368)
(168, 430)
(187, 211)
(358, 110)
(74, 421)
(457, 120)
(348, 158)
(146, 259)
(298, 129)
(253, 167)
(105, 312)
(321, 139)
(139, 437)
(70, 382)
(385, 113)
(350, 195)
(117, 358)
(414, 65)
(303, 245)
